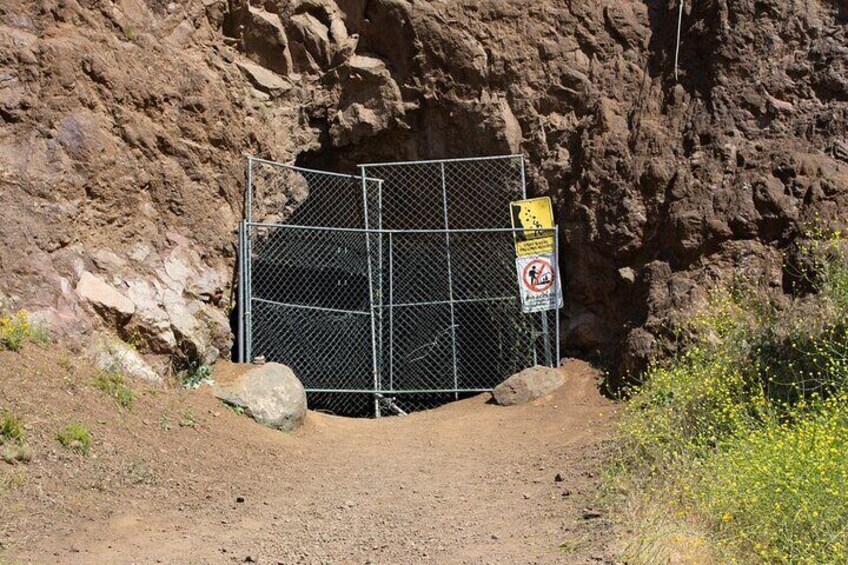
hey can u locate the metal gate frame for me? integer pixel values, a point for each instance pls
(376, 210)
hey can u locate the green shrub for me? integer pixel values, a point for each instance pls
(781, 491)
(114, 384)
(745, 430)
(76, 437)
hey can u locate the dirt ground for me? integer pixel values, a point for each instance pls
(179, 478)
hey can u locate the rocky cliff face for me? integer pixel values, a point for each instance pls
(126, 125)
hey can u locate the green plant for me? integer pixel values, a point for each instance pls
(76, 437)
(744, 431)
(189, 420)
(13, 439)
(15, 479)
(16, 329)
(129, 32)
(235, 408)
(11, 428)
(781, 491)
(114, 384)
(196, 375)
(65, 363)
(139, 473)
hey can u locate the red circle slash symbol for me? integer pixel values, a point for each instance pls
(538, 275)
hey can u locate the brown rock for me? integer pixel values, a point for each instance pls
(263, 79)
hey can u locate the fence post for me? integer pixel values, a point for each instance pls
(374, 365)
(241, 281)
(558, 291)
(391, 316)
(450, 280)
(247, 325)
(248, 291)
(248, 196)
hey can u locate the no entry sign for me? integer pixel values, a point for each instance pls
(538, 280)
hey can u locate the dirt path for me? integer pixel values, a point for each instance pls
(468, 483)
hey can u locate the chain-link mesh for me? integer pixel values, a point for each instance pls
(452, 321)
(394, 290)
(284, 194)
(448, 194)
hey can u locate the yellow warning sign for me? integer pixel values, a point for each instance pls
(535, 220)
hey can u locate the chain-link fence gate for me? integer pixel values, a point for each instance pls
(395, 289)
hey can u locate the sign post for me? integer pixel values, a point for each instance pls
(535, 263)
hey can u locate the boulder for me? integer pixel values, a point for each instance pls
(262, 36)
(263, 79)
(270, 394)
(106, 300)
(371, 101)
(527, 385)
(112, 354)
(311, 47)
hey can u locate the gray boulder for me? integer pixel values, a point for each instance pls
(270, 394)
(527, 385)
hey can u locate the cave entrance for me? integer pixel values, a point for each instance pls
(389, 291)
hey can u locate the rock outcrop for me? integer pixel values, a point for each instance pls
(125, 127)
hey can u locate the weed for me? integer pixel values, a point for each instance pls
(17, 329)
(66, 363)
(196, 375)
(189, 420)
(235, 408)
(13, 439)
(114, 384)
(14, 453)
(129, 32)
(11, 429)
(743, 432)
(13, 480)
(75, 437)
(139, 473)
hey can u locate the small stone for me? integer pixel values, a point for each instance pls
(591, 514)
(526, 496)
(240, 499)
(558, 478)
(566, 493)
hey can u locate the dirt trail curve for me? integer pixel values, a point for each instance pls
(468, 483)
